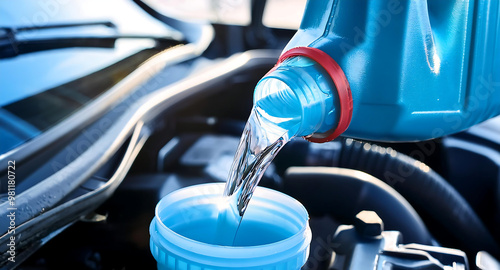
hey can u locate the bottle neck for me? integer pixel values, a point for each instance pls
(298, 96)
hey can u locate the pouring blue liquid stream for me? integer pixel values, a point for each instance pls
(286, 105)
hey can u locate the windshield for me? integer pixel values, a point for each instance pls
(57, 56)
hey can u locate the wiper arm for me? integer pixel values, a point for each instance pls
(12, 43)
(63, 25)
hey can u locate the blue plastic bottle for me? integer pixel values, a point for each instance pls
(416, 69)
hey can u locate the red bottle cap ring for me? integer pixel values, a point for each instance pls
(341, 83)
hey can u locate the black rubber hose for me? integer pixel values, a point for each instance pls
(423, 188)
(343, 193)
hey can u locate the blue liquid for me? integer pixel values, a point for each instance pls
(201, 221)
(287, 103)
(250, 232)
(263, 137)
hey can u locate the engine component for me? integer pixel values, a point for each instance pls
(366, 244)
(424, 189)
